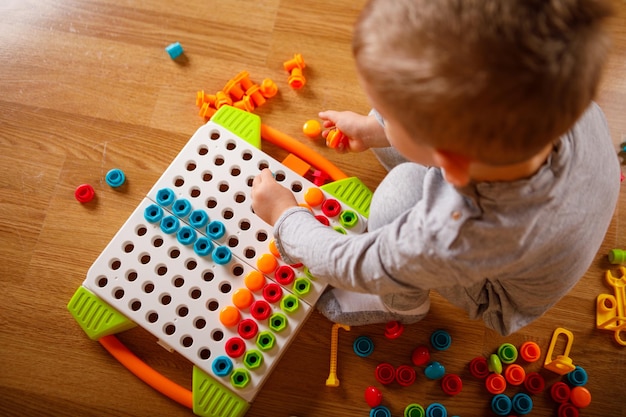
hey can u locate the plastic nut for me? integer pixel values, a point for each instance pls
(507, 353)
(84, 193)
(530, 351)
(451, 384)
(495, 384)
(440, 340)
(115, 178)
(363, 346)
(580, 397)
(479, 367)
(265, 340)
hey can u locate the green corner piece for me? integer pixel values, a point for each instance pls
(352, 192)
(242, 123)
(97, 318)
(212, 399)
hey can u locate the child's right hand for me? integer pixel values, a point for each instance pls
(358, 128)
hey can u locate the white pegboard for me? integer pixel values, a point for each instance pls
(177, 295)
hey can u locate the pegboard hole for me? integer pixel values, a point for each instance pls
(246, 155)
(217, 335)
(178, 281)
(235, 171)
(225, 287)
(182, 311)
(261, 236)
(262, 165)
(204, 354)
(144, 258)
(244, 224)
(207, 176)
(195, 293)
(115, 264)
(141, 230)
(215, 135)
(187, 341)
(131, 276)
(231, 145)
(135, 305)
(118, 293)
(208, 276)
(161, 270)
(223, 187)
(169, 329)
(157, 241)
(152, 317)
(240, 198)
(194, 192)
(203, 150)
(228, 214)
(238, 270)
(191, 165)
(191, 264)
(233, 241)
(129, 247)
(165, 299)
(199, 323)
(212, 305)
(296, 187)
(250, 253)
(279, 176)
(102, 282)
(179, 182)
(211, 203)
(148, 287)
(249, 181)
(219, 160)
(174, 253)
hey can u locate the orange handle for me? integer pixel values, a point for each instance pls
(145, 373)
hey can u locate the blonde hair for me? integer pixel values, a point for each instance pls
(495, 80)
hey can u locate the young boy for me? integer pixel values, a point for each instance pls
(503, 178)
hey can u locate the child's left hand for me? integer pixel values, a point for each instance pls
(269, 198)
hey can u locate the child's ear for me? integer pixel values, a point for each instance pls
(456, 168)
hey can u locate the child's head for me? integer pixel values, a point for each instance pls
(494, 80)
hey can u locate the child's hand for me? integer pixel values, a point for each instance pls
(269, 198)
(363, 132)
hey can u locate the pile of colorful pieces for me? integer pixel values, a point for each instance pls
(499, 371)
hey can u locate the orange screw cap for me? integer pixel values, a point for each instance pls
(233, 88)
(221, 99)
(267, 263)
(296, 80)
(207, 111)
(244, 79)
(246, 103)
(242, 298)
(334, 138)
(230, 316)
(314, 197)
(312, 129)
(254, 281)
(268, 88)
(296, 62)
(256, 95)
(273, 248)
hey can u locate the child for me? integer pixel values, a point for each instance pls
(503, 177)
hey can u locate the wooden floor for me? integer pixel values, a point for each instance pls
(86, 86)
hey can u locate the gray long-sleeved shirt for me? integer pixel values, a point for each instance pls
(503, 251)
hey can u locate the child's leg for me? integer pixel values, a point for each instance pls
(399, 191)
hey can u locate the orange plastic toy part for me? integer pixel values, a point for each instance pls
(562, 364)
(296, 62)
(312, 129)
(530, 351)
(254, 281)
(296, 164)
(296, 79)
(580, 397)
(242, 298)
(273, 248)
(267, 263)
(611, 309)
(230, 316)
(268, 88)
(302, 151)
(334, 138)
(314, 197)
(332, 380)
(145, 373)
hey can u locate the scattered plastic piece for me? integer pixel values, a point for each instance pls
(174, 50)
(436, 410)
(479, 367)
(507, 353)
(617, 256)
(414, 410)
(451, 384)
(522, 403)
(495, 364)
(405, 375)
(393, 329)
(440, 340)
(501, 405)
(385, 374)
(334, 138)
(84, 193)
(312, 129)
(115, 178)
(434, 370)
(495, 383)
(534, 383)
(562, 364)
(373, 396)
(420, 356)
(580, 397)
(514, 374)
(380, 411)
(363, 346)
(578, 377)
(332, 380)
(530, 351)
(567, 410)
(560, 392)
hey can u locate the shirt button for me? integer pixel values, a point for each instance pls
(456, 215)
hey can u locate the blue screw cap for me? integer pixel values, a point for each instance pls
(115, 178)
(440, 339)
(363, 346)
